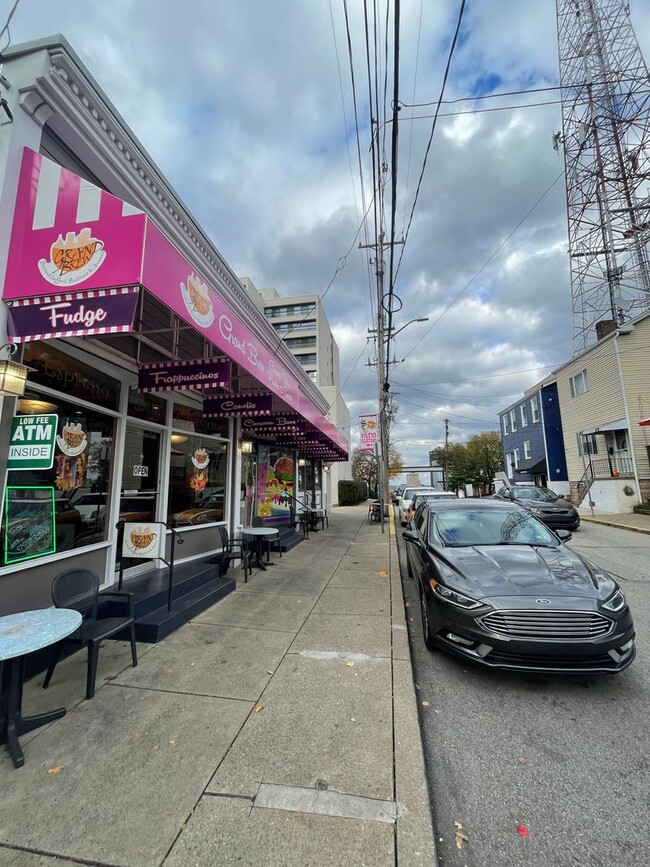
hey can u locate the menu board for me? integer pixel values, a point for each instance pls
(29, 523)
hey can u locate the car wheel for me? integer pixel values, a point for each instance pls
(426, 626)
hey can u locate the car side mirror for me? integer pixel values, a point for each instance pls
(564, 535)
(411, 536)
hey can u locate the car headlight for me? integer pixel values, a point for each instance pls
(616, 602)
(453, 596)
(535, 510)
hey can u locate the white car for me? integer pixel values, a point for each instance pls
(404, 501)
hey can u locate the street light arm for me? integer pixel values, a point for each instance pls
(410, 322)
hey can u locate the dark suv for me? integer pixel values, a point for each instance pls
(550, 508)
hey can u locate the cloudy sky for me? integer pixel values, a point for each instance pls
(248, 109)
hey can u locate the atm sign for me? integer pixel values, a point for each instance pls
(33, 438)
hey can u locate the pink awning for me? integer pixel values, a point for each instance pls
(68, 234)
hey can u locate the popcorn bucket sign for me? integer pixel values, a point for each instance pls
(144, 540)
(369, 432)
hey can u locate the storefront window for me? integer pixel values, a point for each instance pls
(197, 483)
(61, 372)
(58, 479)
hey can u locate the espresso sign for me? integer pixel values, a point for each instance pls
(102, 311)
(184, 375)
(238, 405)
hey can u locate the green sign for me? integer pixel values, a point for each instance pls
(32, 442)
(29, 523)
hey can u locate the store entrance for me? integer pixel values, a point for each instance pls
(140, 486)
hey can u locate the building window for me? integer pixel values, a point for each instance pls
(64, 506)
(304, 359)
(524, 414)
(579, 383)
(515, 458)
(301, 342)
(304, 325)
(527, 450)
(587, 444)
(289, 310)
(197, 480)
(506, 428)
(534, 408)
(513, 420)
(312, 374)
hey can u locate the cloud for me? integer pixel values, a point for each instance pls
(248, 109)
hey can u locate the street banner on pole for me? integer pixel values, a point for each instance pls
(369, 432)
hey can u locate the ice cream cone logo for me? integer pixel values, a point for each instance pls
(73, 258)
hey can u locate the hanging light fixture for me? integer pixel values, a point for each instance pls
(247, 447)
(13, 376)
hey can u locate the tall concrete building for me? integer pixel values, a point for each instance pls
(303, 326)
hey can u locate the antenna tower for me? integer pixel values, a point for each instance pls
(606, 141)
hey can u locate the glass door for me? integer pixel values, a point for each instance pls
(140, 481)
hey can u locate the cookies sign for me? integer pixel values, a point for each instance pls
(144, 540)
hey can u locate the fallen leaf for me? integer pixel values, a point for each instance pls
(172, 742)
(55, 770)
(453, 746)
(352, 719)
(416, 686)
(458, 826)
(350, 664)
(522, 760)
(425, 704)
(155, 746)
(259, 707)
(269, 672)
(522, 830)
(192, 663)
(383, 574)
(436, 710)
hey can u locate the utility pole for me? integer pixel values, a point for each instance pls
(446, 470)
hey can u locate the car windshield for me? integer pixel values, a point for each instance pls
(458, 528)
(541, 494)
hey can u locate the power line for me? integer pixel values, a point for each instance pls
(5, 28)
(485, 264)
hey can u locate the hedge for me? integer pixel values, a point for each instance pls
(351, 493)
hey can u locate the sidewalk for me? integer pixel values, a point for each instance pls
(279, 727)
(625, 521)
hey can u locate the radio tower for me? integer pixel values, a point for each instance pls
(606, 141)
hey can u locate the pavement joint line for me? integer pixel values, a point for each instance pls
(348, 656)
(55, 856)
(240, 626)
(326, 802)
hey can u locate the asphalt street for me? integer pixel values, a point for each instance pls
(541, 770)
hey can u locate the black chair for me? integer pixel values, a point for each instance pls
(234, 549)
(79, 589)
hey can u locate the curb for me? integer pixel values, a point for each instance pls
(415, 840)
(613, 524)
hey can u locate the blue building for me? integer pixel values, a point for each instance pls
(531, 435)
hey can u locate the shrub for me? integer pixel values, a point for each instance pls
(351, 493)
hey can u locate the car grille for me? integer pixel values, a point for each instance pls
(561, 625)
(602, 662)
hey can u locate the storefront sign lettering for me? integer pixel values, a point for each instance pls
(182, 375)
(31, 446)
(72, 314)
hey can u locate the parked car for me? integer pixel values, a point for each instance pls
(498, 587)
(405, 500)
(549, 507)
(92, 508)
(201, 512)
(426, 497)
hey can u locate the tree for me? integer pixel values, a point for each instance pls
(364, 466)
(475, 463)
(486, 456)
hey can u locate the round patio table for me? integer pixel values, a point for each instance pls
(260, 534)
(20, 635)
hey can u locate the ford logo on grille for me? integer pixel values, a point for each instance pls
(543, 601)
